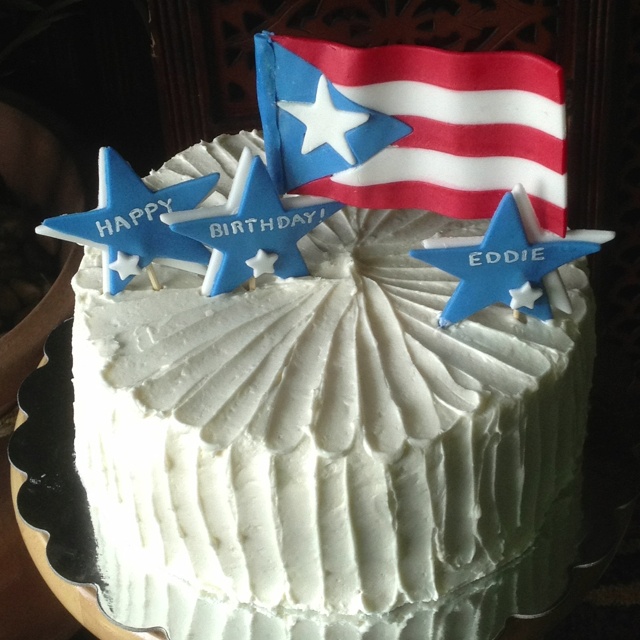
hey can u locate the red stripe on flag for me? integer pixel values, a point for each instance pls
(477, 71)
(479, 141)
(451, 202)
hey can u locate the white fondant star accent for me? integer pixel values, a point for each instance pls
(126, 265)
(127, 219)
(262, 262)
(324, 122)
(524, 296)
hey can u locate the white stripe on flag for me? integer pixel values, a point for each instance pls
(461, 107)
(395, 164)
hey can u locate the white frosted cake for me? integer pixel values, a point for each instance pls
(318, 448)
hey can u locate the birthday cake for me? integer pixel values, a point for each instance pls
(349, 424)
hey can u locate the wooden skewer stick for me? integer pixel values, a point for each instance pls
(520, 317)
(153, 278)
(251, 283)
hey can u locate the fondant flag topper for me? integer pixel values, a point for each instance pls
(404, 126)
(126, 224)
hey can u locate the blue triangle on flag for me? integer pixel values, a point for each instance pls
(285, 77)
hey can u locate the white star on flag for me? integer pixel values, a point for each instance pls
(325, 124)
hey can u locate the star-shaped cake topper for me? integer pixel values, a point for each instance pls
(126, 224)
(253, 227)
(507, 265)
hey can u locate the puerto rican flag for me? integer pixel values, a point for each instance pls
(405, 126)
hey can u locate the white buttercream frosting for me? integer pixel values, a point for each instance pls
(319, 444)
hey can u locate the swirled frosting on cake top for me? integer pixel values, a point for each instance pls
(353, 348)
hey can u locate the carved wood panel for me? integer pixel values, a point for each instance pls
(464, 25)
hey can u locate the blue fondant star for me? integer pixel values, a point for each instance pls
(126, 224)
(503, 261)
(261, 221)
